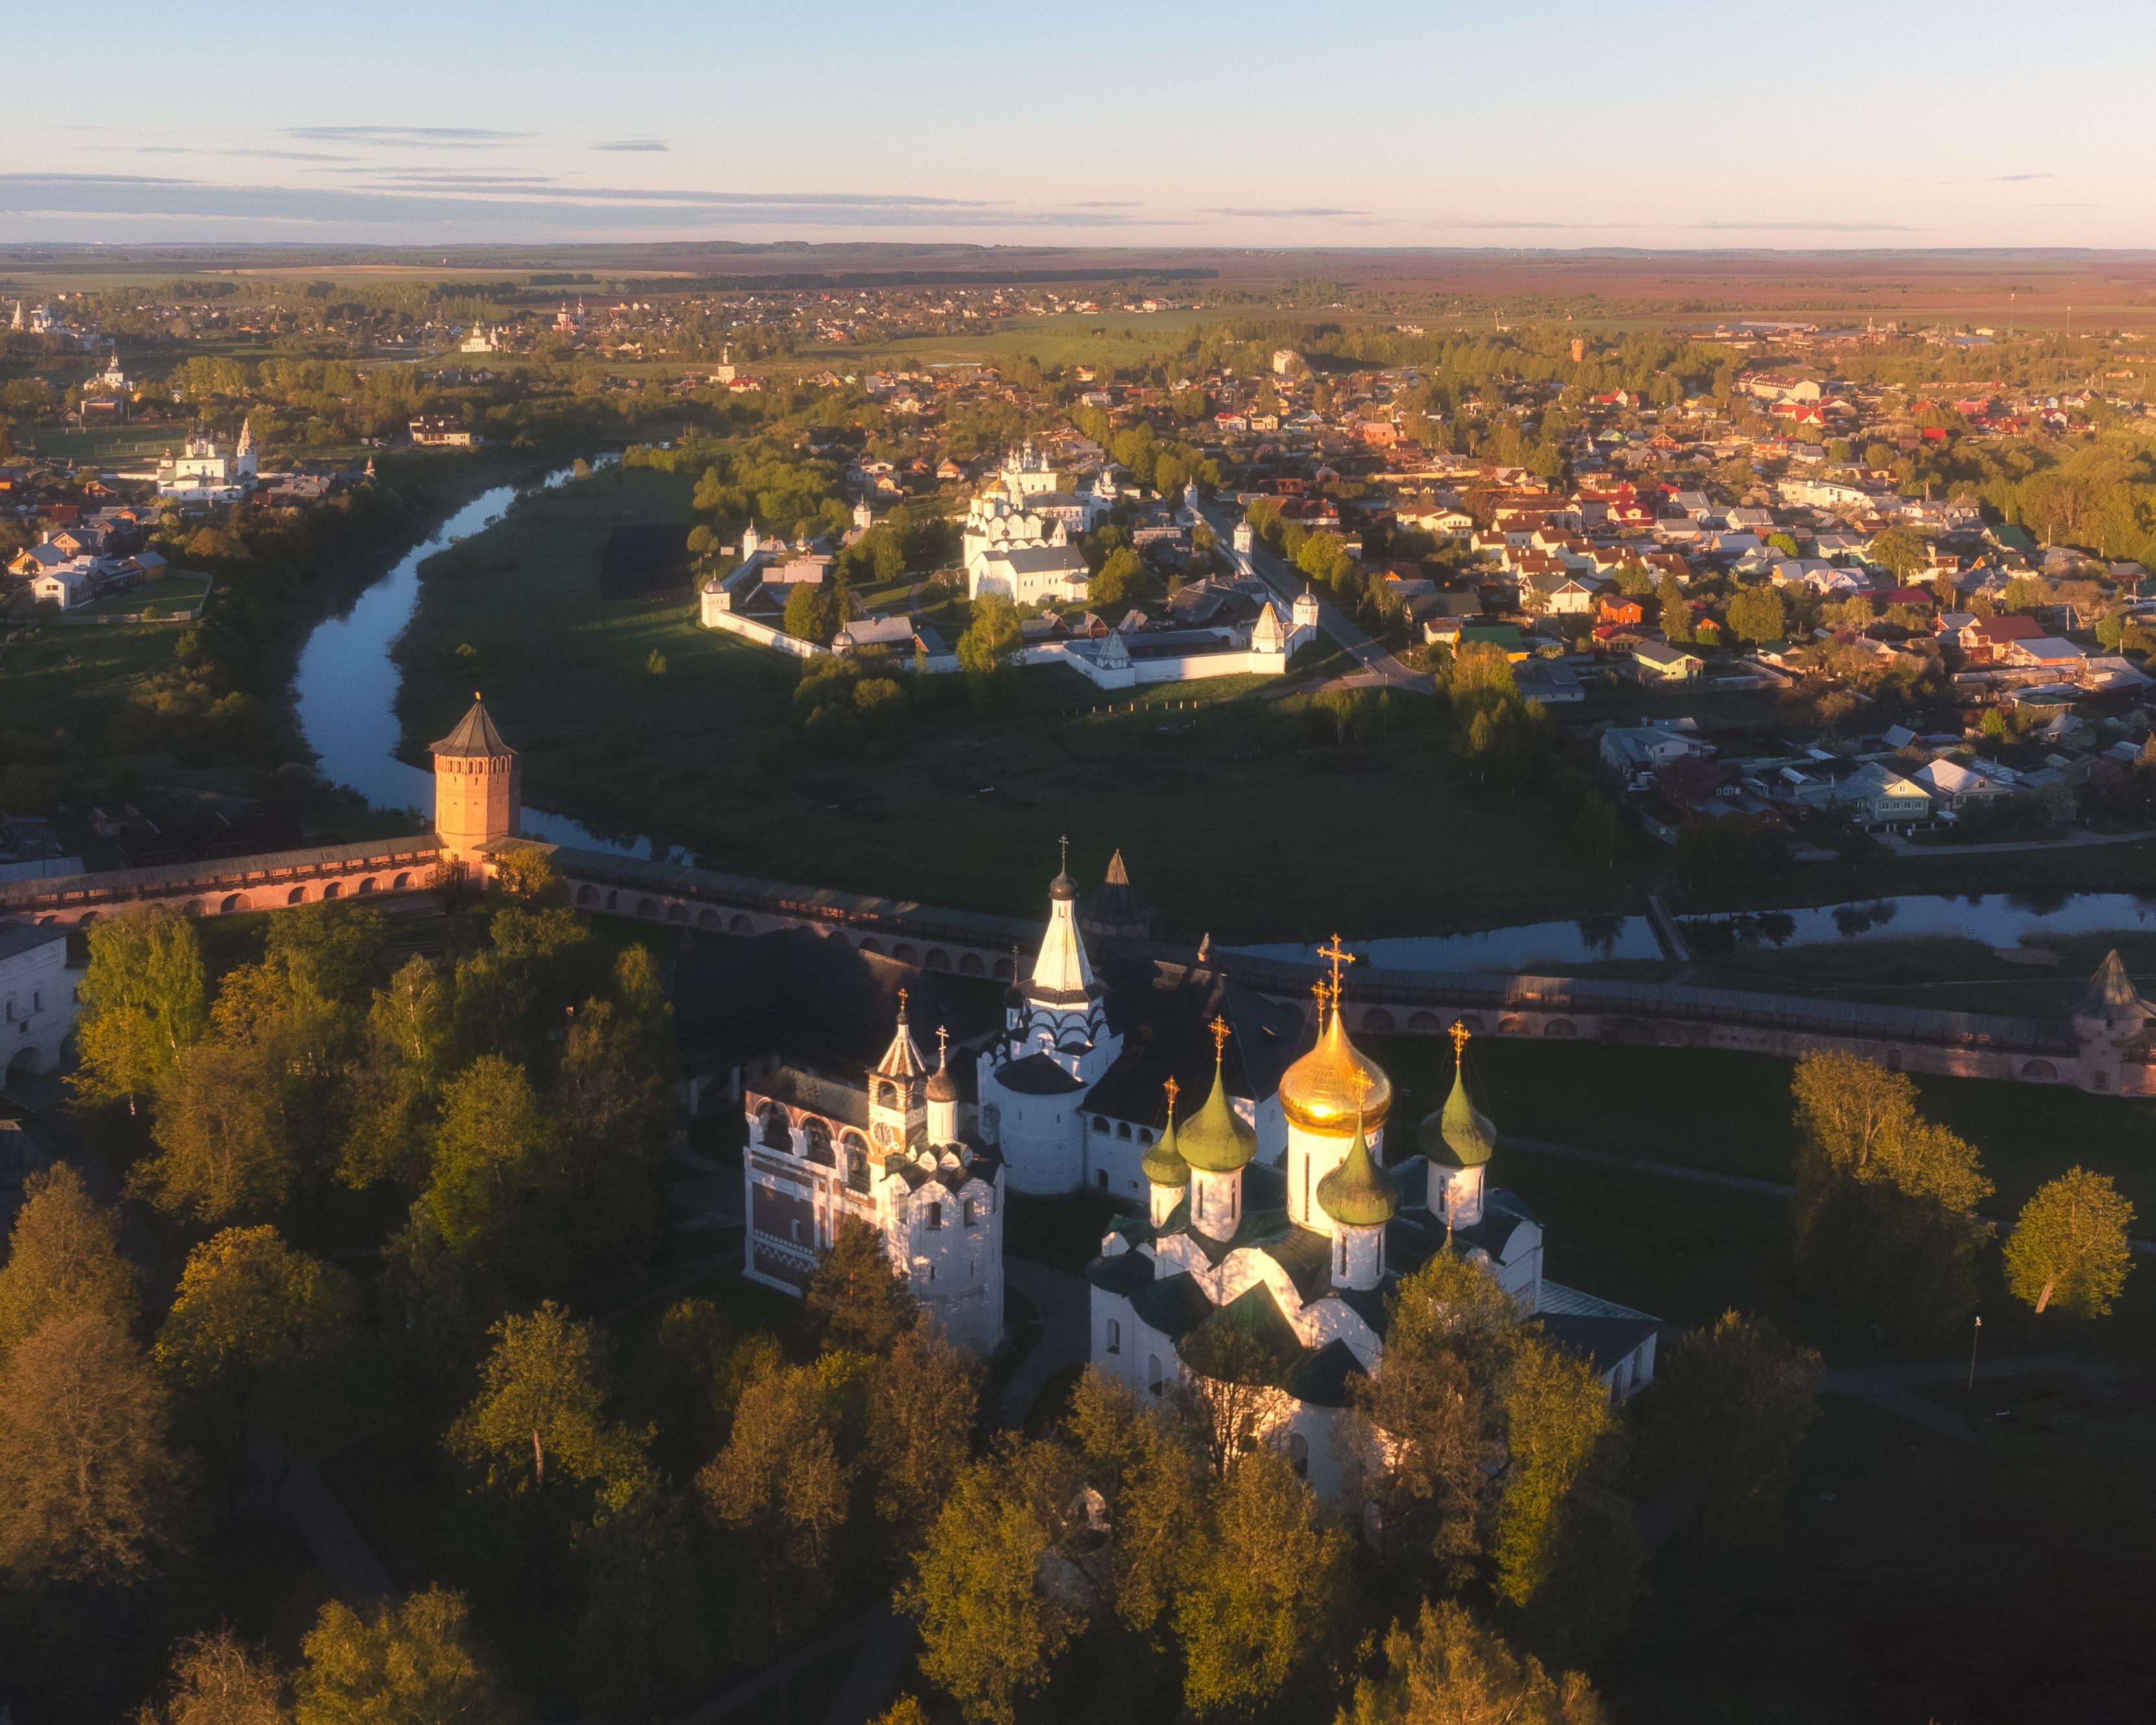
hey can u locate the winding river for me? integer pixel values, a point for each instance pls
(348, 683)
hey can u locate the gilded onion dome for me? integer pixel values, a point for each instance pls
(1163, 1164)
(1359, 1193)
(1325, 1089)
(1215, 1141)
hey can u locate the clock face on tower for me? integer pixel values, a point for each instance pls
(884, 1133)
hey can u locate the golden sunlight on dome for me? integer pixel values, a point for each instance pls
(1323, 1091)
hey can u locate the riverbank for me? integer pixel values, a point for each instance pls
(185, 722)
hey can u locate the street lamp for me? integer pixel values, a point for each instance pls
(1976, 1334)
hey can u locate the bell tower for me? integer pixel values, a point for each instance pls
(478, 786)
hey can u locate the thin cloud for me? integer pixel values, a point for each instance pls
(1314, 210)
(634, 146)
(1799, 227)
(2008, 178)
(409, 137)
(502, 210)
(1106, 203)
(250, 155)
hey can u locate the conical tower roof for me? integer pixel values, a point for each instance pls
(1216, 1141)
(1063, 974)
(475, 736)
(902, 1059)
(1163, 1165)
(1359, 1193)
(2112, 994)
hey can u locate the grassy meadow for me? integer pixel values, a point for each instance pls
(1231, 821)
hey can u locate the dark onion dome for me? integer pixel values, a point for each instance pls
(1459, 1133)
(1062, 887)
(942, 1086)
(1163, 1164)
(1215, 1141)
(1359, 1193)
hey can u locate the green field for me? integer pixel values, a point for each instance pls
(160, 598)
(1230, 821)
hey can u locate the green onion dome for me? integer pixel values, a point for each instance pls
(1459, 1133)
(1359, 1193)
(1215, 1141)
(1163, 1164)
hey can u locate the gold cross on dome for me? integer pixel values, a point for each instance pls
(942, 1041)
(1173, 1090)
(1460, 1032)
(1218, 1026)
(1338, 956)
(1066, 842)
(901, 1003)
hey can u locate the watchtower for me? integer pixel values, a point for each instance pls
(478, 786)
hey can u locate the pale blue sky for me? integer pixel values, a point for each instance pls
(1537, 122)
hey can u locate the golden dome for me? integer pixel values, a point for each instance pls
(1323, 1090)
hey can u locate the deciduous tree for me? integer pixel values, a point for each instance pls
(63, 1258)
(218, 1679)
(2070, 1247)
(1731, 1406)
(144, 999)
(927, 1392)
(540, 1420)
(88, 1489)
(412, 1662)
(1451, 1670)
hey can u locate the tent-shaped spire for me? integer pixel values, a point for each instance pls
(902, 1059)
(2111, 995)
(1216, 1141)
(1459, 1133)
(1063, 973)
(475, 736)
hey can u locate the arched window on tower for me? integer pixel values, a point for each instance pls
(1115, 1337)
(1298, 1455)
(1153, 1373)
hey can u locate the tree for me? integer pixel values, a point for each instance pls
(1901, 551)
(540, 1410)
(856, 1301)
(261, 1333)
(1558, 1430)
(1756, 614)
(993, 636)
(412, 1662)
(989, 1628)
(218, 1679)
(927, 1394)
(1454, 1670)
(1144, 1463)
(498, 1176)
(1675, 615)
(1118, 580)
(398, 1084)
(1884, 1209)
(643, 1643)
(63, 1258)
(783, 1487)
(693, 1375)
(1265, 1602)
(809, 614)
(88, 1489)
(2069, 1248)
(1424, 1415)
(1731, 1406)
(143, 1001)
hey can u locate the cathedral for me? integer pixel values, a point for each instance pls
(1018, 529)
(1294, 1257)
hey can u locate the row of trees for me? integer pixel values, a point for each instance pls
(1886, 1218)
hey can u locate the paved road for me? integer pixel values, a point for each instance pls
(1379, 666)
(1064, 1302)
(1890, 1386)
(1904, 846)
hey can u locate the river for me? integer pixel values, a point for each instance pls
(348, 683)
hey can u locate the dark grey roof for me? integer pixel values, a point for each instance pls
(1124, 1274)
(475, 735)
(27, 937)
(1174, 1307)
(1321, 1377)
(1037, 1075)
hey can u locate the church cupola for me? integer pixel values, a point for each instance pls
(1459, 1140)
(898, 1101)
(1168, 1174)
(1217, 1146)
(942, 1092)
(1324, 1095)
(1361, 1197)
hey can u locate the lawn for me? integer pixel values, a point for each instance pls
(1731, 1113)
(1232, 822)
(160, 598)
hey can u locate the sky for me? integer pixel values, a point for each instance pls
(1542, 123)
